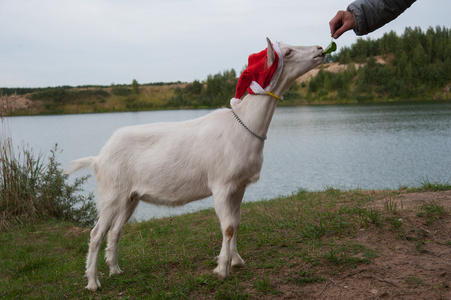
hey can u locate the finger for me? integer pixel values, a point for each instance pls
(345, 27)
(336, 22)
(333, 28)
(338, 33)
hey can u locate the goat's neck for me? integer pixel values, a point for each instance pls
(256, 112)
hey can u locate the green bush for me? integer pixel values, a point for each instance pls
(31, 190)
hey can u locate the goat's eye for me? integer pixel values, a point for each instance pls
(288, 52)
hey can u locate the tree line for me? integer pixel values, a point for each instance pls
(418, 64)
(414, 65)
(213, 92)
(8, 91)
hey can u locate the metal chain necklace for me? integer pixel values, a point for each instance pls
(244, 125)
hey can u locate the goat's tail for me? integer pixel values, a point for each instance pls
(81, 163)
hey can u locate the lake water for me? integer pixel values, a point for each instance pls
(374, 146)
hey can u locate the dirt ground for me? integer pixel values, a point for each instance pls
(12, 103)
(413, 265)
(336, 67)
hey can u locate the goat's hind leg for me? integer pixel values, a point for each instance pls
(114, 234)
(107, 216)
(97, 235)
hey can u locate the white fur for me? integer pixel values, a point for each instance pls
(176, 163)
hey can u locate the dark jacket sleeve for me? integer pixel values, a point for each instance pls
(370, 15)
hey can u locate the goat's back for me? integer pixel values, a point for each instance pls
(168, 161)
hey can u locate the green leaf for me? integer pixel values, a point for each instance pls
(330, 48)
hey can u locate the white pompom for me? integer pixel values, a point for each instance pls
(234, 102)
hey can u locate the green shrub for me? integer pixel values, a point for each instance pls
(32, 190)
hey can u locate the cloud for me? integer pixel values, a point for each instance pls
(68, 42)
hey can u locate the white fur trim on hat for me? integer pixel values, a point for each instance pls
(234, 101)
(257, 89)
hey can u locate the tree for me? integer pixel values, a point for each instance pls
(135, 87)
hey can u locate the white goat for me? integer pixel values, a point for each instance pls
(176, 163)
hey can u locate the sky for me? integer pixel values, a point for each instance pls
(101, 42)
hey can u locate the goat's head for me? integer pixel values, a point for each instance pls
(297, 60)
(276, 68)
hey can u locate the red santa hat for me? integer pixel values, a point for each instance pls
(258, 77)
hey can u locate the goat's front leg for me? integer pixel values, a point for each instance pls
(228, 209)
(237, 198)
(223, 268)
(237, 261)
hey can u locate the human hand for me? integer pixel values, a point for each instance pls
(342, 22)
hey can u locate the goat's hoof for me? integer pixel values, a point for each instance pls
(223, 274)
(240, 263)
(237, 261)
(93, 287)
(115, 270)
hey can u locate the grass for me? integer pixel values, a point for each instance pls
(92, 100)
(289, 242)
(428, 185)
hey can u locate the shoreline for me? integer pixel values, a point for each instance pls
(12, 108)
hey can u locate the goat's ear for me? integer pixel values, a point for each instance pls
(271, 53)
